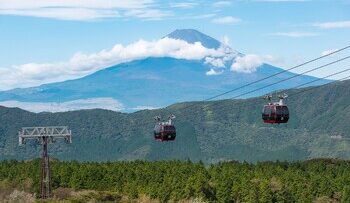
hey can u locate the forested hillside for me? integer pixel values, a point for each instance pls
(207, 131)
(324, 180)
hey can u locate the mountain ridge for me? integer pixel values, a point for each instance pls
(208, 131)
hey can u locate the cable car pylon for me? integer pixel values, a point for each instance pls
(45, 136)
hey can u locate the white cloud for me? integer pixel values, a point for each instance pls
(152, 14)
(138, 108)
(226, 20)
(222, 3)
(216, 62)
(210, 15)
(64, 13)
(214, 72)
(225, 40)
(32, 74)
(106, 4)
(324, 53)
(184, 5)
(82, 9)
(222, 60)
(250, 62)
(281, 0)
(294, 34)
(93, 103)
(335, 24)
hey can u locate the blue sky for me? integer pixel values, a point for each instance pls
(49, 32)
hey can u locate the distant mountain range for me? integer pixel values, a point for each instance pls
(208, 131)
(153, 82)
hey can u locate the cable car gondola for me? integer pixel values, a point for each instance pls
(276, 112)
(164, 131)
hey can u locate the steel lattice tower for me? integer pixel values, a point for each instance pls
(45, 135)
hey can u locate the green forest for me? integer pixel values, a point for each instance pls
(318, 180)
(209, 131)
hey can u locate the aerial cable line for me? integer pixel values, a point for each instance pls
(308, 89)
(323, 78)
(294, 76)
(273, 75)
(277, 112)
(278, 73)
(283, 80)
(333, 74)
(340, 80)
(311, 88)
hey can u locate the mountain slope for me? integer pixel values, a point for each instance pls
(208, 131)
(158, 81)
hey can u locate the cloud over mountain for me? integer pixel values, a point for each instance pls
(181, 44)
(186, 63)
(81, 64)
(249, 63)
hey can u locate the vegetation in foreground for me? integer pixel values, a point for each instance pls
(321, 180)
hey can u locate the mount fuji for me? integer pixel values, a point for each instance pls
(152, 82)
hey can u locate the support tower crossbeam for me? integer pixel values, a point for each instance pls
(45, 135)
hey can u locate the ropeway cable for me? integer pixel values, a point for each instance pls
(262, 79)
(280, 81)
(294, 76)
(311, 88)
(278, 73)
